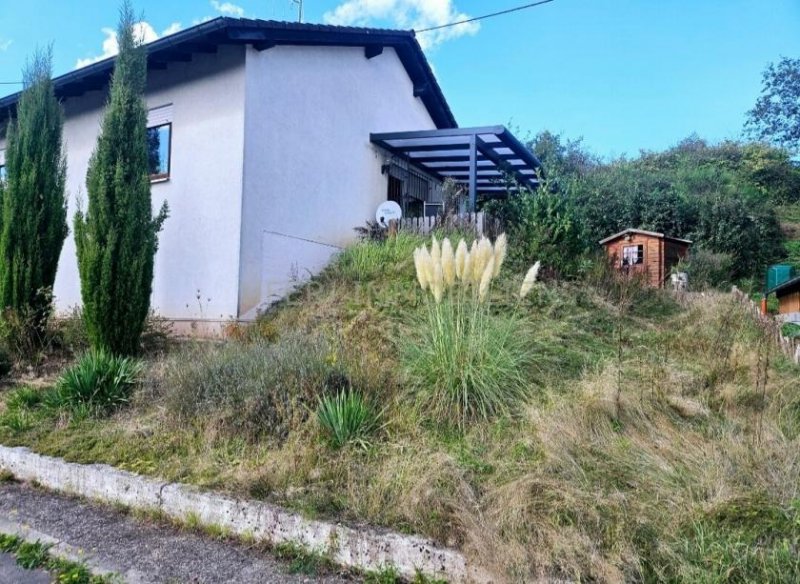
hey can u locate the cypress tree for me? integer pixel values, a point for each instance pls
(117, 236)
(33, 223)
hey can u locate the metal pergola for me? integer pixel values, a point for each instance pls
(481, 159)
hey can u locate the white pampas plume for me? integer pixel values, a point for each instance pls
(530, 280)
(436, 251)
(437, 286)
(486, 279)
(448, 263)
(500, 251)
(426, 263)
(466, 275)
(461, 258)
(483, 251)
(422, 276)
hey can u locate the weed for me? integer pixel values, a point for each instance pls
(97, 384)
(347, 418)
(301, 560)
(32, 555)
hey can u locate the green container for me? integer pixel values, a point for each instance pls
(778, 274)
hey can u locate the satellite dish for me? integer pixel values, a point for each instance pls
(388, 211)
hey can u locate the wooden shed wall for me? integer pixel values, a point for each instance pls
(790, 302)
(652, 266)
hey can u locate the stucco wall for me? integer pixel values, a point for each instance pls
(199, 247)
(311, 173)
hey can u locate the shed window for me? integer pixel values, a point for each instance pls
(159, 140)
(632, 255)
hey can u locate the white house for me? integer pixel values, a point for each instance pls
(271, 142)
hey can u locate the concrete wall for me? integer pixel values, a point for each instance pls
(199, 247)
(311, 174)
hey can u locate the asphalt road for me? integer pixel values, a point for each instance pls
(138, 551)
(10, 573)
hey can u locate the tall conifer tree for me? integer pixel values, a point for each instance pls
(117, 236)
(33, 206)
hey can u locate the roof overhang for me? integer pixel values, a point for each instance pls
(263, 35)
(484, 158)
(787, 287)
(611, 238)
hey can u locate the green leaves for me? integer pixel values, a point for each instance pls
(117, 236)
(347, 418)
(33, 206)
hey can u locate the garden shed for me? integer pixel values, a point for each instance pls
(648, 253)
(788, 294)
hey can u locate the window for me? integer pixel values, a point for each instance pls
(159, 143)
(632, 255)
(2, 172)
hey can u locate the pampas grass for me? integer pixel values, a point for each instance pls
(466, 363)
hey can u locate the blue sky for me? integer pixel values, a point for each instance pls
(623, 74)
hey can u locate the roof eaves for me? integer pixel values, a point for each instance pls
(786, 285)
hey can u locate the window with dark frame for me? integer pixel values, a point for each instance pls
(2, 172)
(159, 151)
(632, 255)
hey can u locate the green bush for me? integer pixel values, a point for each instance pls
(97, 384)
(707, 269)
(347, 418)
(253, 390)
(367, 260)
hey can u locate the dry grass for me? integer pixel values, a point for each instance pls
(684, 472)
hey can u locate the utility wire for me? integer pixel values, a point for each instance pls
(485, 16)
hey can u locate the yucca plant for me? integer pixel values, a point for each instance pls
(97, 384)
(466, 362)
(347, 418)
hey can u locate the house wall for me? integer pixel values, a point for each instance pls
(196, 271)
(311, 174)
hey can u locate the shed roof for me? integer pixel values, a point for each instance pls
(643, 232)
(263, 35)
(787, 287)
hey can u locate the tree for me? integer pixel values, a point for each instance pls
(776, 115)
(33, 210)
(117, 237)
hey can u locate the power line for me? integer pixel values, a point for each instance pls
(485, 16)
(11, 83)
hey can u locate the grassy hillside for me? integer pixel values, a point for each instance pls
(790, 224)
(657, 442)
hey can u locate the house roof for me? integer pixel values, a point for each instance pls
(643, 232)
(263, 35)
(447, 154)
(787, 287)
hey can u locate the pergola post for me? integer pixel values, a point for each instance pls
(473, 172)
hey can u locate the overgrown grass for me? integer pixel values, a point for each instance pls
(661, 454)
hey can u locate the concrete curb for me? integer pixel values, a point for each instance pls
(365, 548)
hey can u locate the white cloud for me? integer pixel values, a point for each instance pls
(416, 14)
(227, 8)
(141, 30)
(4, 44)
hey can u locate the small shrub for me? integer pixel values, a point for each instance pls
(251, 390)
(98, 383)
(368, 260)
(347, 418)
(707, 269)
(24, 398)
(24, 335)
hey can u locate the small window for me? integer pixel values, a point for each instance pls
(632, 255)
(159, 144)
(2, 172)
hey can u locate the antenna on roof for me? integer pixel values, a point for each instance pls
(299, 9)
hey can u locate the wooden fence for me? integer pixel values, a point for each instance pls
(480, 223)
(789, 346)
